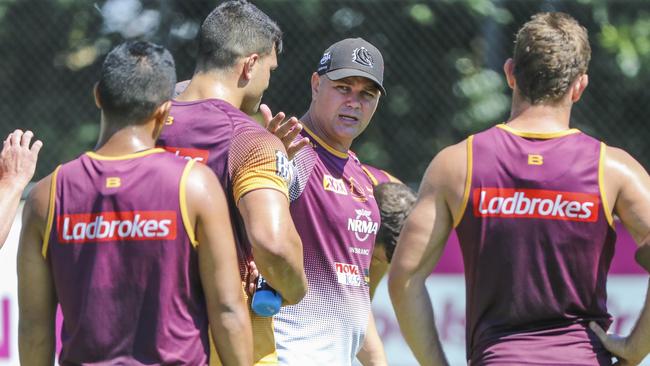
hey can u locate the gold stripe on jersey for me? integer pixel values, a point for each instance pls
(182, 199)
(96, 156)
(468, 183)
(601, 185)
(324, 144)
(373, 179)
(50, 213)
(538, 135)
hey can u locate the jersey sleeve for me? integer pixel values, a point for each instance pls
(258, 160)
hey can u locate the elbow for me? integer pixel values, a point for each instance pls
(399, 282)
(294, 295)
(280, 260)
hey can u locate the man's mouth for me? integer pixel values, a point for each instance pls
(348, 117)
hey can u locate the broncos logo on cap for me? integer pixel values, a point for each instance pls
(362, 56)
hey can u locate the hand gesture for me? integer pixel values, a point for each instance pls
(286, 131)
(18, 159)
(251, 278)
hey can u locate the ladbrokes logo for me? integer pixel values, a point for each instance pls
(117, 226)
(535, 203)
(348, 274)
(362, 226)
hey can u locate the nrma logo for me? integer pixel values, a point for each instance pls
(362, 225)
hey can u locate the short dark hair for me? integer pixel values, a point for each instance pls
(395, 201)
(136, 78)
(551, 51)
(235, 29)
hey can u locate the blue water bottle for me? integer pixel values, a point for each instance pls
(266, 301)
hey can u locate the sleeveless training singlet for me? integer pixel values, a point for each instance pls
(122, 256)
(537, 240)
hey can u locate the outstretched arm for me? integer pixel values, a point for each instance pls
(628, 186)
(419, 248)
(17, 165)
(218, 267)
(36, 295)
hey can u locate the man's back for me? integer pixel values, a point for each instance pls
(245, 157)
(538, 227)
(123, 264)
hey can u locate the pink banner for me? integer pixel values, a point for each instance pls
(622, 263)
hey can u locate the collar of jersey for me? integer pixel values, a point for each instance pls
(538, 135)
(138, 154)
(327, 147)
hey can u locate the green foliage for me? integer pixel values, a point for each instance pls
(443, 66)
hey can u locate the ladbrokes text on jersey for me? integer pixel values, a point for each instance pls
(117, 226)
(535, 203)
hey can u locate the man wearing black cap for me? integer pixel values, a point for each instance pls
(334, 211)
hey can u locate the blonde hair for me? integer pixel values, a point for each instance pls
(551, 51)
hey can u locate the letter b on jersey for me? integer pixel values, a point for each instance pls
(535, 159)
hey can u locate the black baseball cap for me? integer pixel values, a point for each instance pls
(353, 57)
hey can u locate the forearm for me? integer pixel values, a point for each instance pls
(372, 350)
(280, 261)
(639, 339)
(231, 330)
(35, 344)
(10, 194)
(415, 316)
(642, 255)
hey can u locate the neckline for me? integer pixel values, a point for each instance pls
(538, 135)
(322, 143)
(96, 156)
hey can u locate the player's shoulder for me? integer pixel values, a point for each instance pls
(449, 166)
(618, 162)
(39, 196)
(451, 153)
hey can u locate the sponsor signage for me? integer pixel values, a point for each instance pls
(335, 185)
(535, 203)
(189, 153)
(116, 226)
(362, 225)
(348, 274)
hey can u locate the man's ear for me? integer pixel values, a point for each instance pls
(509, 71)
(98, 101)
(250, 63)
(160, 116)
(315, 84)
(579, 87)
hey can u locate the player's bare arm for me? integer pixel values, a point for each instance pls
(419, 249)
(36, 297)
(286, 131)
(628, 191)
(277, 248)
(372, 351)
(218, 267)
(17, 165)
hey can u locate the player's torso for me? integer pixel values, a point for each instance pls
(337, 219)
(535, 235)
(118, 245)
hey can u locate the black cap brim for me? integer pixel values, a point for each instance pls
(346, 72)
